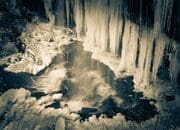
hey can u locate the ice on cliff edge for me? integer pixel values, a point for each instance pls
(140, 48)
(107, 29)
(110, 27)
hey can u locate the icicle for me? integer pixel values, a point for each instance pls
(79, 11)
(174, 68)
(115, 27)
(104, 28)
(142, 57)
(125, 42)
(147, 63)
(132, 49)
(60, 13)
(67, 6)
(163, 12)
(48, 10)
(159, 50)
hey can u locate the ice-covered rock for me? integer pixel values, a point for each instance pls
(57, 96)
(29, 114)
(60, 124)
(42, 43)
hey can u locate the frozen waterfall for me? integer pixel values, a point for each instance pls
(133, 34)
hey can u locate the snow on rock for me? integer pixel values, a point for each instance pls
(57, 96)
(42, 42)
(15, 95)
(21, 111)
(60, 124)
(18, 110)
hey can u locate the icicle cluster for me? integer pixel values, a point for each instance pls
(107, 26)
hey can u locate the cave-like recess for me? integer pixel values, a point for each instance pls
(89, 64)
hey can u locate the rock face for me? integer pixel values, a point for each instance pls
(139, 32)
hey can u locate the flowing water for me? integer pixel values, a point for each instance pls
(86, 86)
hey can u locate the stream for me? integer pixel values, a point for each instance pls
(86, 86)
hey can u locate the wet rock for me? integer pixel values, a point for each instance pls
(20, 46)
(9, 48)
(125, 86)
(38, 95)
(55, 104)
(65, 87)
(51, 40)
(169, 97)
(127, 102)
(142, 111)
(13, 80)
(109, 107)
(86, 113)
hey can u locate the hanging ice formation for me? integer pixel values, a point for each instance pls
(132, 31)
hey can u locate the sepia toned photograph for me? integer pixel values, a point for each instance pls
(89, 64)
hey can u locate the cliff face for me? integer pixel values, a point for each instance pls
(143, 34)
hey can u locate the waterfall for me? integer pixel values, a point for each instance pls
(132, 31)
